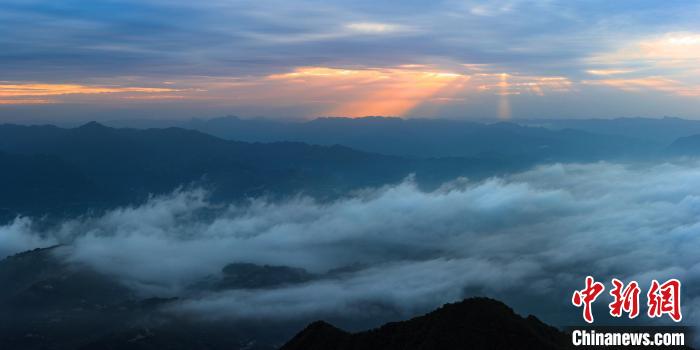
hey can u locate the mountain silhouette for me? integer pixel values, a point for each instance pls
(98, 167)
(432, 137)
(476, 323)
(661, 131)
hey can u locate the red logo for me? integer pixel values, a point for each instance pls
(626, 299)
(665, 299)
(587, 296)
(662, 299)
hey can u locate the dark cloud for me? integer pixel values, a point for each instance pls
(77, 39)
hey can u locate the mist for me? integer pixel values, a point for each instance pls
(528, 236)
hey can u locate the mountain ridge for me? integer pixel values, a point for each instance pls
(474, 323)
(123, 166)
(426, 137)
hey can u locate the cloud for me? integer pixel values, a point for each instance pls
(648, 83)
(100, 42)
(28, 93)
(19, 236)
(665, 63)
(492, 8)
(528, 238)
(403, 288)
(608, 71)
(374, 27)
(350, 91)
(371, 91)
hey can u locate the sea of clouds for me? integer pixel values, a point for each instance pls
(528, 238)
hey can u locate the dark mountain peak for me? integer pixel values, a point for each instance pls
(93, 125)
(474, 304)
(323, 327)
(319, 335)
(476, 323)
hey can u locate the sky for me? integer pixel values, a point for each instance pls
(499, 60)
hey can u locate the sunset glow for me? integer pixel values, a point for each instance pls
(26, 93)
(469, 59)
(361, 92)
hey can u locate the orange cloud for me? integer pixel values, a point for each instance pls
(30, 93)
(371, 91)
(680, 49)
(608, 71)
(400, 89)
(673, 58)
(352, 91)
(28, 101)
(646, 83)
(672, 48)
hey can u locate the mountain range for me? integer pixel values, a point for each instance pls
(67, 171)
(52, 170)
(429, 137)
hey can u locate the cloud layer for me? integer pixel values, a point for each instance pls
(529, 238)
(646, 51)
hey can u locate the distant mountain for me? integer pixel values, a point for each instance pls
(477, 323)
(432, 137)
(661, 131)
(685, 146)
(94, 167)
(29, 182)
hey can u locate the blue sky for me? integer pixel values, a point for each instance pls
(301, 59)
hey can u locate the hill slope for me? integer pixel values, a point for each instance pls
(685, 146)
(477, 323)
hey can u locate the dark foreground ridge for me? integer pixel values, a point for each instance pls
(50, 304)
(476, 323)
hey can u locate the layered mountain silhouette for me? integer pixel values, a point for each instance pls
(95, 167)
(434, 137)
(52, 170)
(49, 303)
(476, 323)
(661, 131)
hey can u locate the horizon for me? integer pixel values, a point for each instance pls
(173, 122)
